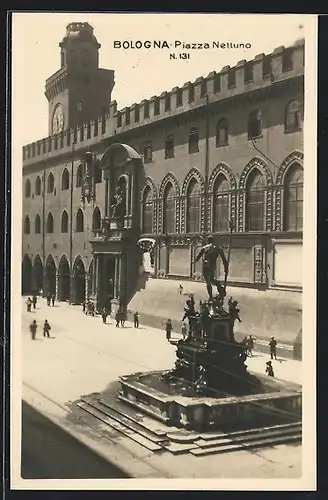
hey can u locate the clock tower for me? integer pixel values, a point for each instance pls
(79, 91)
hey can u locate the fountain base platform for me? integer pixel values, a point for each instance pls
(176, 404)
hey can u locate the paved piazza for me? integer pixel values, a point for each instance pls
(84, 355)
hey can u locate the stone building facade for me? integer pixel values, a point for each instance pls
(227, 147)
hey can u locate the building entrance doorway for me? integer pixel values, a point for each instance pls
(26, 275)
(107, 277)
(79, 282)
(64, 282)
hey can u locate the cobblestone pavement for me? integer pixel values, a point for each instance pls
(83, 355)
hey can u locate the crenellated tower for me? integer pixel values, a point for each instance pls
(79, 91)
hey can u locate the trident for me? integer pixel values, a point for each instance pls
(229, 251)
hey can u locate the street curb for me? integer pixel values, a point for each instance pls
(134, 467)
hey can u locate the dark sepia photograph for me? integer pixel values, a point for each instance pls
(163, 251)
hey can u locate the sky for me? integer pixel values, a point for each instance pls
(139, 74)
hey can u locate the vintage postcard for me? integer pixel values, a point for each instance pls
(163, 251)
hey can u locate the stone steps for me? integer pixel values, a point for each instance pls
(262, 442)
(119, 427)
(156, 436)
(141, 419)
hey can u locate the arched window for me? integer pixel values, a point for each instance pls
(27, 188)
(193, 207)
(96, 219)
(293, 116)
(27, 225)
(193, 140)
(79, 175)
(255, 201)
(255, 124)
(50, 223)
(293, 199)
(222, 133)
(65, 180)
(97, 173)
(64, 222)
(37, 186)
(147, 211)
(221, 204)
(37, 224)
(79, 221)
(51, 183)
(169, 209)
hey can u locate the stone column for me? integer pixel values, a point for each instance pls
(86, 286)
(131, 194)
(57, 285)
(45, 284)
(94, 275)
(72, 289)
(116, 261)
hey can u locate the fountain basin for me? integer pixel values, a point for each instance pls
(274, 402)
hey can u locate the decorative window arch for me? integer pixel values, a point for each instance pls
(65, 180)
(173, 203)
(96, 219)
(27, 225)
(147, 210)
(37, 224)
(222, 132)
(79, 221)
(79, 175)
(293, 198)
(193, 140)
(255, 124)
(169, 209)
(221, 204)
(64, 222)
(50, 223)
(193, 206)
(292, 116)
(38, 186)
(51, 183)
(255, 201)
(28, 188)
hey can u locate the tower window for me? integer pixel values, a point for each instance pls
(217, 83)
(167, 102)
(156, 106)
(231, 78)
(80, 105)
(179, 97)
(191, 93)
(203, 88)
(148, 153)
(146, 110)
(137, 113)
(248, 72)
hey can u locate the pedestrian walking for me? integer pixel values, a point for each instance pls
(136, 319)
(122, 318)
(34, 300)
(33, 328)
(46, 329)
(184, 331)
(117, 319)
(48, 299)
(168, 329)
(269, 369)
(273, 348)
(104, 315)
(84, 305)
(53, 298)
(251, 342)
(29, 304)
